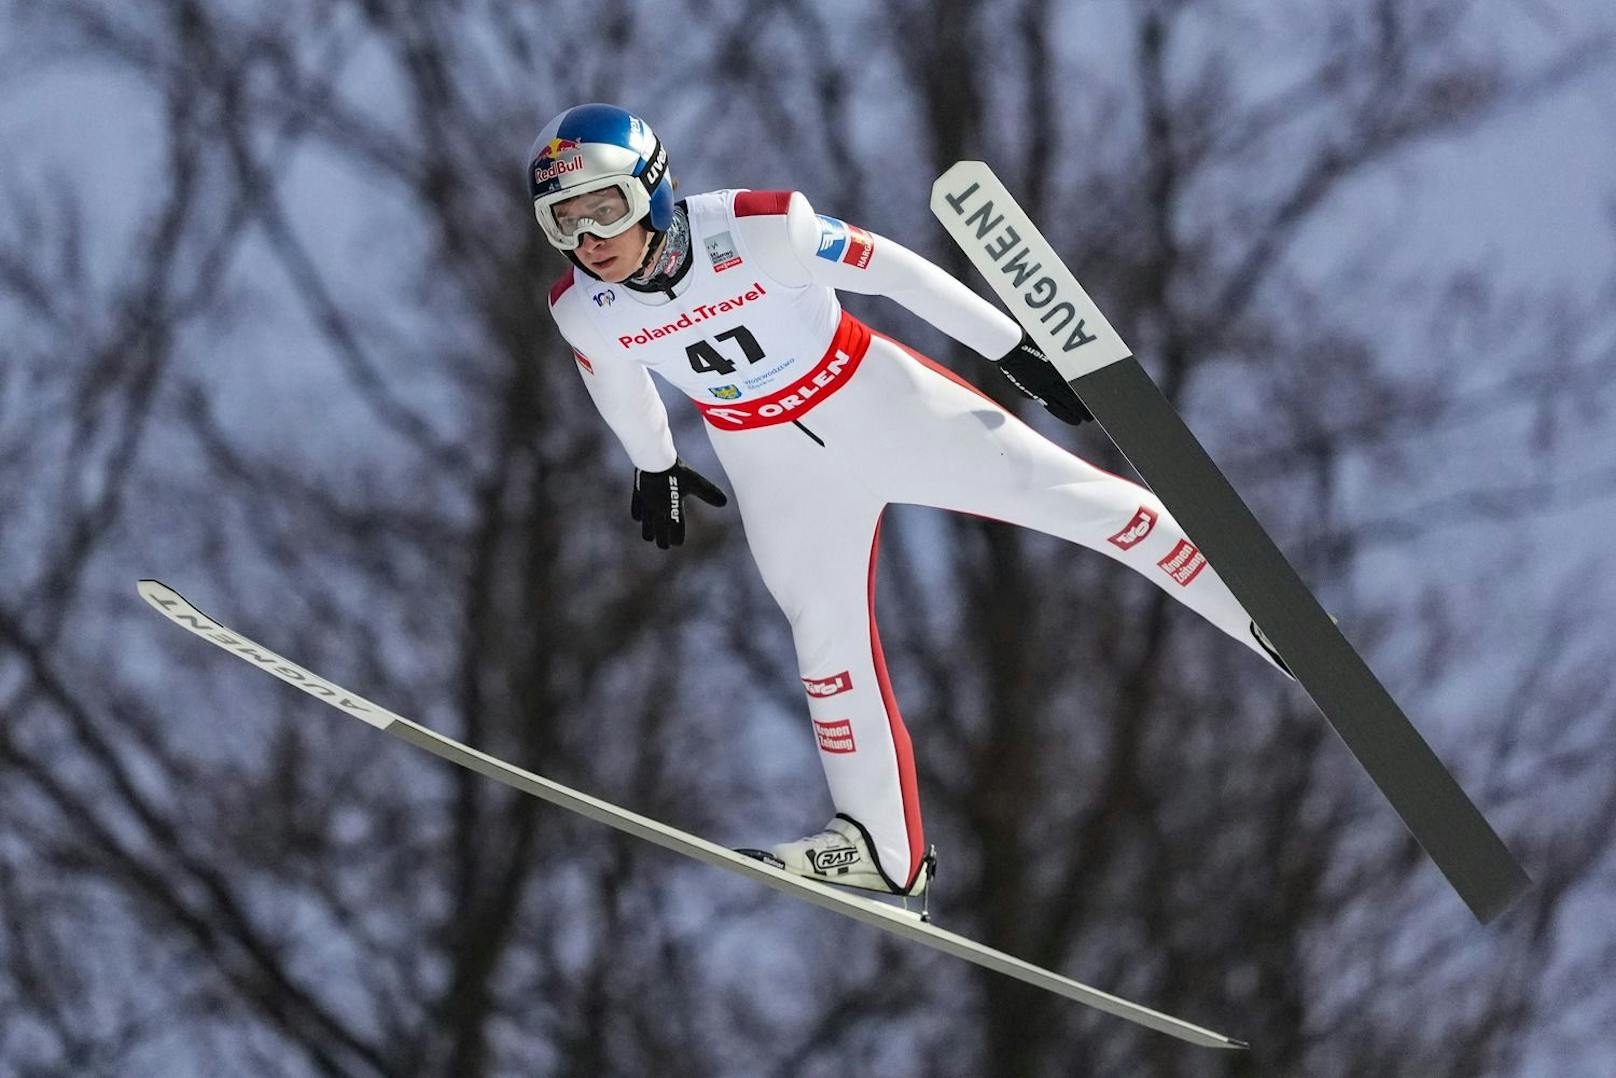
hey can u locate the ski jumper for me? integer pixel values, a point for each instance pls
(820, 423)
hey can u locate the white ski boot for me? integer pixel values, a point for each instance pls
(842, 854)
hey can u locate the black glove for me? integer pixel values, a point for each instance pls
(659, 498)
(1037, 377)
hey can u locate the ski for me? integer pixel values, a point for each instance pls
(1010, 252)
(868, 911)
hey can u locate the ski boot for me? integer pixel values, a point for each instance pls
(842, 854)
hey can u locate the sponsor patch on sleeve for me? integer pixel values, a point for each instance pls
(842, 242)
(721, 250)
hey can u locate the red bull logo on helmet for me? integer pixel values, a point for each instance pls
(549, 164)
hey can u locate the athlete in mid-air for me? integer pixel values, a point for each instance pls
(820, 422)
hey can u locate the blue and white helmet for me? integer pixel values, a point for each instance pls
(591, 148)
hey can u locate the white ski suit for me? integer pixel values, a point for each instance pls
(820, 423)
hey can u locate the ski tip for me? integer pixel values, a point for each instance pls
(155, 592)
(958, 169)
(1238, 1045)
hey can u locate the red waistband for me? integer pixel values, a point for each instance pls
(840, 360)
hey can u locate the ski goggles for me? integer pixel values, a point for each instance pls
(604, 208)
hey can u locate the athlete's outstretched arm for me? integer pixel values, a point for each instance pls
(801, 247)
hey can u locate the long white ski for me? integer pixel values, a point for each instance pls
(182, 613)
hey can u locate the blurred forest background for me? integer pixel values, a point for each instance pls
(272, 329)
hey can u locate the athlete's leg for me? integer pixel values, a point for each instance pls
(975, 457)
(813, 534)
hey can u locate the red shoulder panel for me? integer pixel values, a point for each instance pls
(756, 203)
(559, 289)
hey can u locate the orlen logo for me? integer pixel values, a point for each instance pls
(830, 686)
(549, 164)
(1184, 563)
(1137, 529)
(835, 736)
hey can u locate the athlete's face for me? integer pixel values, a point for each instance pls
(616, 259)
(610, 260)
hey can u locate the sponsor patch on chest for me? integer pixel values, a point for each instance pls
(721, 250)
(799, 396)
(798, 392)
(701, 312)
